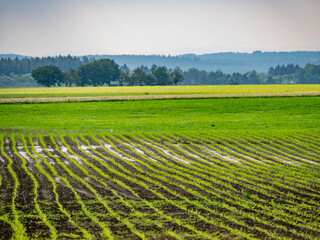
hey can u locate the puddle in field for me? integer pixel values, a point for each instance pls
(63, 149)
(38, 149)
(243, 155)
(141, 152)
(26, 156)
(306, 160)
(298, 146)
(48, 159)
(292, 163)
(59, 181)
(221, 155)
(9, 151)
(84, 147)
(31, 160)
(302, 159)
(66, 162)
(167, 152)
(2, 160)
(75, 158)
(190, 153)
(283, 160)
(111, 149)
(87, 149)
(66, 151)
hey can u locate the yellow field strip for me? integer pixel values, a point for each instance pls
(140, 90)
(158, 97)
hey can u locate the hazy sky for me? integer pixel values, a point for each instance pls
(77, 27)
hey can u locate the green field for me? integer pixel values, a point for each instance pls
(163, 115)
(213, 168)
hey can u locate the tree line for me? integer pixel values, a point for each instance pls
(90, 72)
(227, 62)
(106, 72)
(281, 74)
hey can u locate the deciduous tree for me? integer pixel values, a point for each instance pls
(99, 72)
(48, 76)
(176, 76)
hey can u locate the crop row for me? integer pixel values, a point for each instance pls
(175, 186)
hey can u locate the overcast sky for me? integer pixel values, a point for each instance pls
(77, 27)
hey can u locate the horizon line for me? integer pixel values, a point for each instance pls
(165, 55)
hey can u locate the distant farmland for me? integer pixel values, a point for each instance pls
(66, 94)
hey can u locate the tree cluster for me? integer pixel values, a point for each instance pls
(96, 73)
(159, 76)
(106, 72)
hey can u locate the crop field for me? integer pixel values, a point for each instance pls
(221, 167)
(82, 94)
(187, 185)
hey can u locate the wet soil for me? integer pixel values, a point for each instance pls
(146, 178)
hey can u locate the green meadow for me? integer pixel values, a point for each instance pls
(285, 113)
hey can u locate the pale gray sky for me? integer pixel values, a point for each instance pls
(77, 27)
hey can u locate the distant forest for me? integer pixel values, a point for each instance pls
(208, 69)
(226, 62)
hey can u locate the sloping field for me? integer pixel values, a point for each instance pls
(85, 94)
(192, 185)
